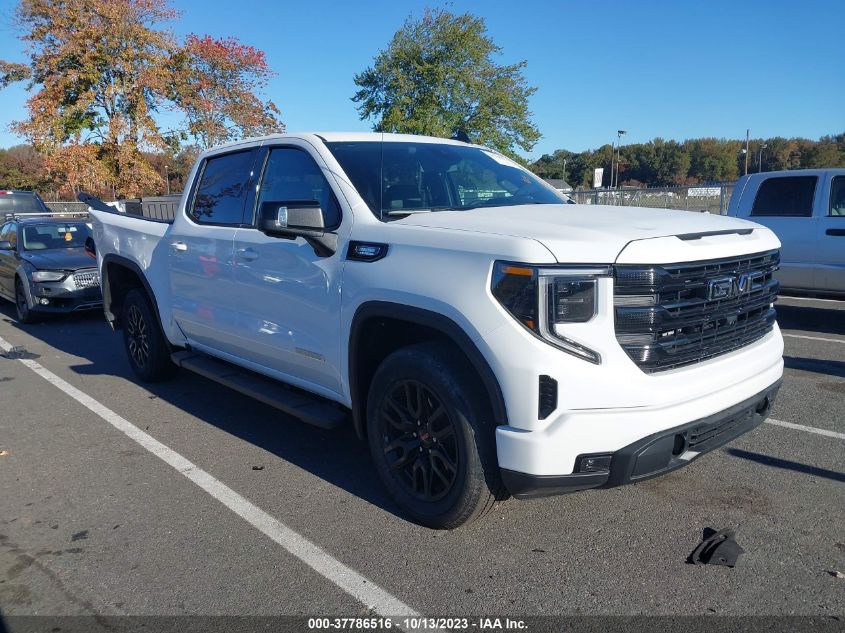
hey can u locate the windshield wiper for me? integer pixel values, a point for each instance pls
(398, 212)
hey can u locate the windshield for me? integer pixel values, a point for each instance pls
(397, 178)
(40, 237)
(21, 203)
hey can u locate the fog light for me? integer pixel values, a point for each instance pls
(44, 301)
(594, 464)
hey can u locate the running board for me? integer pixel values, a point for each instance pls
(310, 409)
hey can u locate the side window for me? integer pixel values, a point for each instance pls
(791, 196)
(13, 235)
(292, 175)
(837, 196)
(4, 231)
(220, 195)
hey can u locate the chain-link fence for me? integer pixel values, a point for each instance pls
(705, 199)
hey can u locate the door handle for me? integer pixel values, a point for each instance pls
(247, 254)
(838, 232)
(181, 247)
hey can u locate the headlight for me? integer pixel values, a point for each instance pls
(542, 297)
(48, 275)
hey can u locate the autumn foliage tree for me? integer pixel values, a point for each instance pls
(215, 83)
(92, 69)
(100, 71)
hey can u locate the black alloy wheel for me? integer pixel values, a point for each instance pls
(137, 342)
(419, 441)
(146, 346)
(432, 436)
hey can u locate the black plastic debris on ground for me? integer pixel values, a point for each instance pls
(717, 547)
(18, 352)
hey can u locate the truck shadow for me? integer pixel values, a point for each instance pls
(786, 464)
(827, 367)
(811, 319)
(337, 457)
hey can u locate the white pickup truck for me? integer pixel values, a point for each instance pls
(483, 336)
(806, 210)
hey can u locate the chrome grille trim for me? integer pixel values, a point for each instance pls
(686, 325)
(86, 279)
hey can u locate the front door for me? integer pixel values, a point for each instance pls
(8, 261)
(290, 296)
(785, 205)
(204, 293)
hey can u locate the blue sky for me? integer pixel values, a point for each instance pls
(676, 69)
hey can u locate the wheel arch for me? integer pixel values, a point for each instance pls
(119, 275)
(23, 271)
(394, 319)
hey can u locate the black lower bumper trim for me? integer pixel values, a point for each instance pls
(654, 455)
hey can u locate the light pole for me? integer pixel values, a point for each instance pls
(564, 170)
(619, 135)
(612, 158)
(167, 177)
(760, 158)
(745, 151)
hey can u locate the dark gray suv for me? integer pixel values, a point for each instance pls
(44, 266)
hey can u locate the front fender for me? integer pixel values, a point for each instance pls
(24, 271)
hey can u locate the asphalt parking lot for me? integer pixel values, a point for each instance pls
(94, 523)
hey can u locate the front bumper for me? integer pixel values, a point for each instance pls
(651, 456)
(63, 296)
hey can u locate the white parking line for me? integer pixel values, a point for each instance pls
(791, 298)
(807, 429)
(815, 338)
(353, 583)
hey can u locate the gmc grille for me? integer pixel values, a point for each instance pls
(673, 315)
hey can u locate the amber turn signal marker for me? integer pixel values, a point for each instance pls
(518, 270)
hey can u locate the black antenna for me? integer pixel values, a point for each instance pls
(460, 135)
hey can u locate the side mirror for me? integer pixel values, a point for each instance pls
(5, 245)
(297, 218)
(90, 247)
(291, 218)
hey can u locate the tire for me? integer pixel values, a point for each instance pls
(25, 314)
(431, 437)
(146, 347)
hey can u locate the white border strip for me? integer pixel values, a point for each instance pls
(353, 583)
(815, 338)
(807, 429)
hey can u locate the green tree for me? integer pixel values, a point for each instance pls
(713, 160)
(21, 167)
(664, 163)
(438, 75)
(828, 152)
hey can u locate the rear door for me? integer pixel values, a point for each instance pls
(785, 205)
(204, 293)
(832, 236)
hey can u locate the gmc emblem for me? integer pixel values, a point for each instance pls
(729, 287)
(723, 288)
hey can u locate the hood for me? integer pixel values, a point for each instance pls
(578, 233)
(60, 259)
